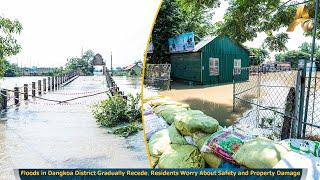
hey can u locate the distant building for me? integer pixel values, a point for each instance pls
(134, 69)
(98, 65)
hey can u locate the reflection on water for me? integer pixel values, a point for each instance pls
(42, 134)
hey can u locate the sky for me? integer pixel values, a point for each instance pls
(54, 30)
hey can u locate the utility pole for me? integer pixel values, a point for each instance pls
(111, 64)
(314, 34)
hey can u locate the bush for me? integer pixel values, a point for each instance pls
(127, 130)
(115, 110)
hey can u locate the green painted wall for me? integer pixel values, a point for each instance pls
(226, 50)
(186, 66)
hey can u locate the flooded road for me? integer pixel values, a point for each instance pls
(43, 134)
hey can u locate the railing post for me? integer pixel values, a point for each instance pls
(49, 84)
(44, 85)
(56, 82)
(16, 95)
(33, 89)
(4, 99)
(39, 87)
(52, 83)
(25, 92)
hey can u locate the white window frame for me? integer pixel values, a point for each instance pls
(214, 66)
(237, 66)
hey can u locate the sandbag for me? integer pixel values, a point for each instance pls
(161, 108)
(161, 141)
(224, 144)
(182, 156)
(169, 115)
(260, 153)
(200, 138)
(188, 123)
(211, 159)
(163, 101)
(153, 124)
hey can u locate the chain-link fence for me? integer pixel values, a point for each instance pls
(267, 100)
(158, 76)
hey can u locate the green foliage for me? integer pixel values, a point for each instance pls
(258, 56)
(127, 130)
(244, 19)
(304, 52)
(116, 111)
(83, 64)
(179, 16)
(292, 57)
(8, 44)
(11, 69)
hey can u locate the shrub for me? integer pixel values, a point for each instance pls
(115, 110)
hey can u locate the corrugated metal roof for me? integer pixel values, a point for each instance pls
(203, 42)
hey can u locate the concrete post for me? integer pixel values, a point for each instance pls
(16, 95)
(25, 92)
(4, 102)
(39, 87)
(33, 89)
(49, 84)
(44, 85)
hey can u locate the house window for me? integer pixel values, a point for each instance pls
(213, 66)
(237, 66)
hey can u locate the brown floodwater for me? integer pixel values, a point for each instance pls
(43, 134)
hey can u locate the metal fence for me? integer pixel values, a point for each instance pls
(158, 76)
(273, 102)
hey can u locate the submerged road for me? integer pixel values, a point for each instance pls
(42, 134)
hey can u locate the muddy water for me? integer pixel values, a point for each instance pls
(43, 134)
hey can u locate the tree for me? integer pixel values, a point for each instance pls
(11, 69)
(8, 44)
(179, 16)
(244, 19)
(83, 64)
(306, 47)
(257, 56)
(292, 57)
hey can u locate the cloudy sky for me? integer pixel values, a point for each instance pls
(57, 29)
(54, 30)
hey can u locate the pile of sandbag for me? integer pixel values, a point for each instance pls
(174, 147)
(186, 138)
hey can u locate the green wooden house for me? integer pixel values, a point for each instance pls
(211, 62)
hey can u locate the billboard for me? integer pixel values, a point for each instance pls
(182, 43)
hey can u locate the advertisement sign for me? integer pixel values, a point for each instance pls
(182, 43)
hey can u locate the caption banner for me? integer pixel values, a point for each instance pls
(30, 174)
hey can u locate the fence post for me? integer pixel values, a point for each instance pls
(25, 91)
(33, 89)
(39, 87)
(49, 84)
(16, 95)
(56, 82)
(4, 102)
(302, 85)
(52, 83)
(44, 85)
